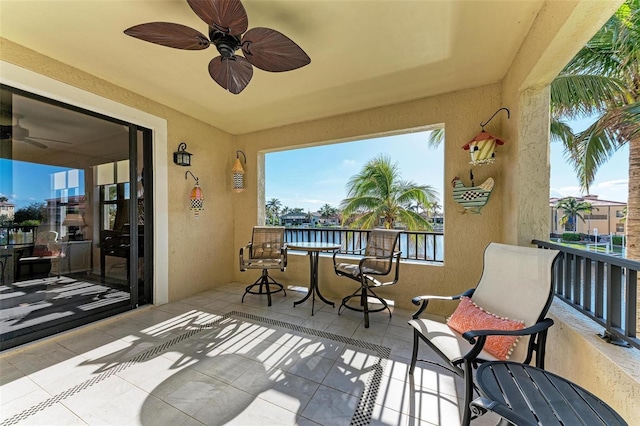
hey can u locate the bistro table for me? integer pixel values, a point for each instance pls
(528, 396)
(313, 249)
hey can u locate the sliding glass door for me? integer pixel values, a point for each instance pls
(75, 216)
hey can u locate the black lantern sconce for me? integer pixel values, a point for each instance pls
(238, 173)
(181, 157)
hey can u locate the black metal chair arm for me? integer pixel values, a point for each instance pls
(478, 337)
(423, 301)
(527, 331)
(347, 252)
(283, 257)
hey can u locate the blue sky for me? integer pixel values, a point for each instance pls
(311, 177)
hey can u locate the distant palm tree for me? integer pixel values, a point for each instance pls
(326, 211)
(273, 208)
(572, 209)
(378, 193)
(603, 79)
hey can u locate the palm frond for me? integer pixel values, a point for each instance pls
(436, 137)
(580, 95)
(561, 132)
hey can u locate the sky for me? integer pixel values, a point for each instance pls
(311, 177)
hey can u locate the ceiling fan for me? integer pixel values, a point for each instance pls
(22, 134)
(264, 48)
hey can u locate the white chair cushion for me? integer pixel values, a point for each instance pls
(353, 269)
(449, 342)
(262, 263)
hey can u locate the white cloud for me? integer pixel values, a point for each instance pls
(349, 164)
(566, 191)
(612, 183)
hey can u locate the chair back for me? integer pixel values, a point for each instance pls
(382, 244)
(267, 242)
(516, 283)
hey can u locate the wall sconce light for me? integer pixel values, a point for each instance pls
(197, 197)
(238, 173)
(181, 157)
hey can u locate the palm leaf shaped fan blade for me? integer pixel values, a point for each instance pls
(170, 35)
(227, 20)
(226, 16)
(231, 73)
(272, 51)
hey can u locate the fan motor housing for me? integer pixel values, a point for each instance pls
(226, 44)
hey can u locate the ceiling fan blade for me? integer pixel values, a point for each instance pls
(34, 143)
(50, 140)
(233, 74)
(272, 51)
(170, 35)
(227, 16)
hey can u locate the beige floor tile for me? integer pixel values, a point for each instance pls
(331, 407)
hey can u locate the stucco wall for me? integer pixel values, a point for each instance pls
(610, 372)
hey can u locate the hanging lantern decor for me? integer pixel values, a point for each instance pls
(197, 197)
(482, 147)
(238, 172)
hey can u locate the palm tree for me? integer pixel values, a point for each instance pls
(572, 209)
(273, 208)
(603, 80)
(326, 211)
(378, 192)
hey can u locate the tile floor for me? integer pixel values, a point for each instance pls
(211, 359)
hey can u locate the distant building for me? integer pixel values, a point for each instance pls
(605, 216)
(7, 209)
(294, 219)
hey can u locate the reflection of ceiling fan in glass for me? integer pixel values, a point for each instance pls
(22, 134)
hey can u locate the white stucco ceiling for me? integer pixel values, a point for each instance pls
(364, 54)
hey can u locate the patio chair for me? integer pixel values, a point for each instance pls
(266, 250)
(377, 260)
(509, 303)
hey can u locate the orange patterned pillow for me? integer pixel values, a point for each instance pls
(469, 316)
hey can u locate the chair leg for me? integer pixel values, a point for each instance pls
(363, 294)
(364, 302)
(414, 356)
(468, 392)
(265, 281)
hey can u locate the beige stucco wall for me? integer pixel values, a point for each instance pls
(610, 372)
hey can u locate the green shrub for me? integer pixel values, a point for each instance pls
(570, 236)
(617, 240)
(30, 222)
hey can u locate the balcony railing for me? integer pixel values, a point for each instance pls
(603, 287)
(414, 245)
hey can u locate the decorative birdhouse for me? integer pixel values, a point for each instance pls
(482, 148)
